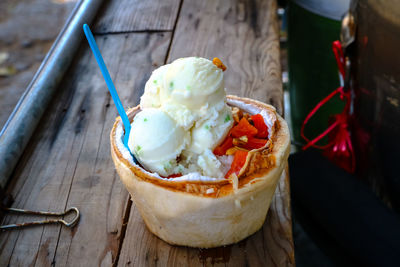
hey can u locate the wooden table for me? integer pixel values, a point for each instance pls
(68, 162)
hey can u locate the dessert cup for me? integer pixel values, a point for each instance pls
(209, 213)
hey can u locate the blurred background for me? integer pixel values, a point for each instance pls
(28, 28)
(333, 227)
(309, 73)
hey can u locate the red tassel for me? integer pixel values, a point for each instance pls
(339, 148)
(341, 151)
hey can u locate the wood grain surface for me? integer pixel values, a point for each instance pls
(137, 15)
(68, 163)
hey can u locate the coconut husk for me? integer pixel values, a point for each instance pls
(212, 213)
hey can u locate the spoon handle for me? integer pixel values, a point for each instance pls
(109, 82)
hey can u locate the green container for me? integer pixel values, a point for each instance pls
(313, 72)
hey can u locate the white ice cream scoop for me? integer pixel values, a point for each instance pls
(193, 82)
(156, 140)
(188, 89)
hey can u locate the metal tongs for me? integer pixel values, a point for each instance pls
(71, 223)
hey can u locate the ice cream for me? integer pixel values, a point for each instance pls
(156, 140)
(190, 92)
(153, 87)
(189, 89)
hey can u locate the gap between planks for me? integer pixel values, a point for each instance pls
(134, 31)
(123, 230)
(173, 31)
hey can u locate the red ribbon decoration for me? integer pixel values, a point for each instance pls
(339, 148)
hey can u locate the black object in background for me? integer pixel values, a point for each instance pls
(376, 77)
(342, 214)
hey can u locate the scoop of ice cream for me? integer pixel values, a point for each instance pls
(187, 89)
(193, 82)
(156, 140)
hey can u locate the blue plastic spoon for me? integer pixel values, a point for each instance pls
(110, 85)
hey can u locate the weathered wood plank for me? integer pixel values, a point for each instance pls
(68, 162)
(136, 15)
(42, 181)
(244, 34)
